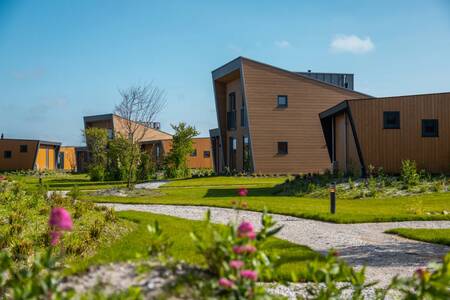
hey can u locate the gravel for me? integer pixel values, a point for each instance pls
(151, 185)
(365, 244)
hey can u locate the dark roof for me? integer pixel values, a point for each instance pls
(237, 62)
(33, 140)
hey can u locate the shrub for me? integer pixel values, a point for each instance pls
(74, 193)
(409, 174)
(146, 168)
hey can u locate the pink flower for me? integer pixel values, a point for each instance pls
(245, 227)
(249, 274)
(226, 283)
(236, 264)
(251, 235)
(242, 192)
(244, 249)
(60, 219)
(55, 237)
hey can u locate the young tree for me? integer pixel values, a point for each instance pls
(96, 140)
(139, 107)
(176, 160)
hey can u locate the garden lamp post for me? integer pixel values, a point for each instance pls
(333, 198)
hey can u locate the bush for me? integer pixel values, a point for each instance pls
(409, 174)
(146, 168)
(97, 173)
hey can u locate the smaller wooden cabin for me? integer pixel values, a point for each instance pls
(383, 132)
(23, 154)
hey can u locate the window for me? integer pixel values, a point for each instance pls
(7, 154)
(282, 101)
(23, 148)
(232, 102)
(194, 153)
(206, 154)
(110, 133)
(391, 120)
(430, 128)
(282, 148)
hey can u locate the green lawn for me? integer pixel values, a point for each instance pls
(135, 245)
(207, 192)
(435, 236)
(66, 182)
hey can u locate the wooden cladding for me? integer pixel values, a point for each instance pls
(387, 148)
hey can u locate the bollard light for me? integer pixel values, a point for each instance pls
(333, 198)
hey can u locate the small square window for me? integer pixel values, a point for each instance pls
(283, 148)
(7, 154)
(391, 120)
(206, 154)
(23, 148)
(430, 128)
(282, 101)
(194, 153)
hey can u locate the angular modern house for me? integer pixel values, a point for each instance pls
(384, 131)
(268, 117)
(156, 142)
(27, 154)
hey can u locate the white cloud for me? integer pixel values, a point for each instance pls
(352, 44)
(282, 44)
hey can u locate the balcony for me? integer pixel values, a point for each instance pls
(231, 120)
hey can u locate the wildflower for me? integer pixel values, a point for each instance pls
(244, 249)
(244, 205)
(249, 274)
(242, 192)
(236, 264)
(226, 283)
(60, 219)
(251, 235)
(422, 273)
(245, 227)
(55, 237)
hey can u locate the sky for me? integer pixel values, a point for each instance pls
(61, 60)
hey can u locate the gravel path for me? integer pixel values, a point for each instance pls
(365, 244)
(151, 185)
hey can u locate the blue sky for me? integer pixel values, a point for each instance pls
(63, 59)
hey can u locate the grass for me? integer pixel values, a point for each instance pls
(435, 236)
(63, 181)
(134, 245)
(207, 192)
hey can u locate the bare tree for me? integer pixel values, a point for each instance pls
(138, 108)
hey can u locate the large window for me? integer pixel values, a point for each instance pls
(282, 148)
(282, 101)
(246, 154)
(391, 120)
(7, 154)
(23, 148)
(430, 128)
(231, 113)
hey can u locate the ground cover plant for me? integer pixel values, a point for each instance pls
(24, 230)
(376, 185)
(435, 236)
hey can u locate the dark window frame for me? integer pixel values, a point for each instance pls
(206, 154)
(23, 148)
(232, 101)
(7, 154)
(194, 153)
(280, 148)
(435, 123)
(282, 105)
(391, 114)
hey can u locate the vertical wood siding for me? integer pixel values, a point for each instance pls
(18, 161)
(388, 147)
(298, 124)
